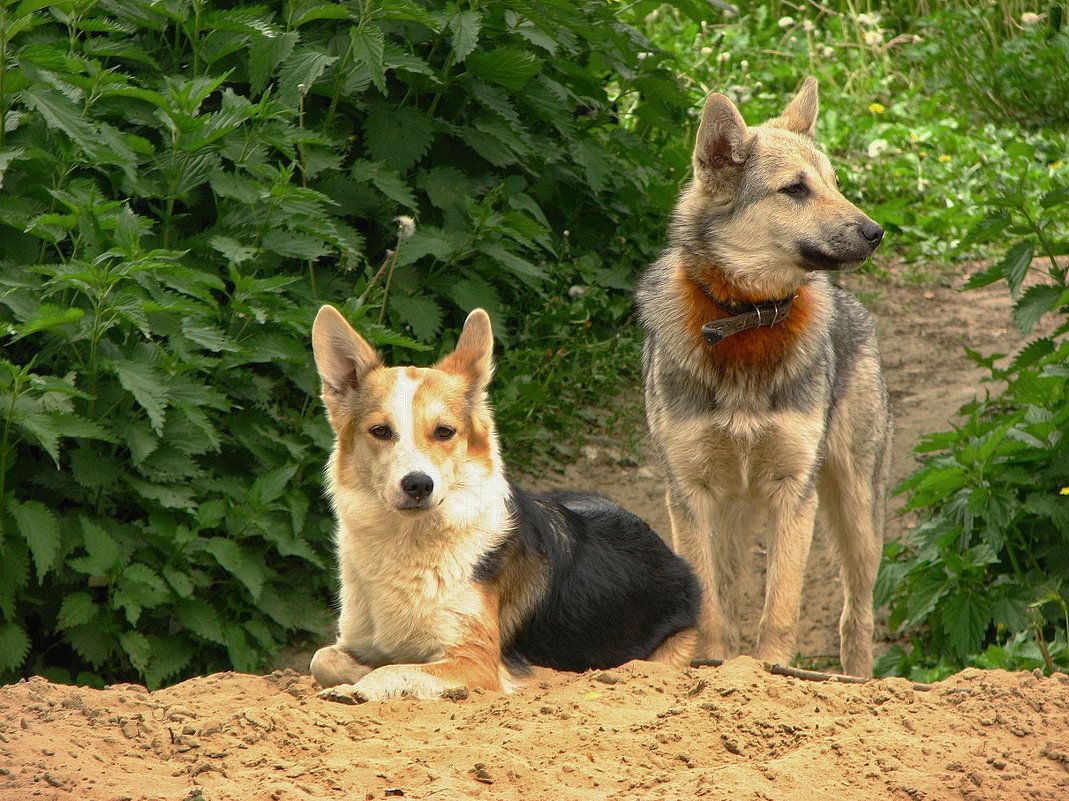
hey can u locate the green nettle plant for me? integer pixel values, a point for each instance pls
(184, 182)
(984, 578)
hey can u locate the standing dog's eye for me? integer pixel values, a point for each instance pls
(797, 189)
(380, 431)
(444, 432)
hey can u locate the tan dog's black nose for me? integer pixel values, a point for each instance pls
(872, 232)
(417, 486)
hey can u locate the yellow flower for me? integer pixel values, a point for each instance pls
(877, 108)
(1064, 491)
(1056, 164)
(913, 137)
(944, 158)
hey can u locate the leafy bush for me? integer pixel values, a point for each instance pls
(1014, 75)
(984, 578)
(184, 183)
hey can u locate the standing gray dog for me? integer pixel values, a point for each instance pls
(762, 377)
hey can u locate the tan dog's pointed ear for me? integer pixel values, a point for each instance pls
(800, 115)
(723, 144)
(473, 356)
(343, 357)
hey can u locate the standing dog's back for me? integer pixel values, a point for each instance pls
(762, 377)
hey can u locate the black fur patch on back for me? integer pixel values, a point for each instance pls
(615, 590)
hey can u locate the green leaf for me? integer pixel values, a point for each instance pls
(232, 558)
(77, 608)
(387, 181)
(14, 574)
(294, 245)
(310, 13)
(398, 137)
(465, 26)
(103, 553)
(39, 527)
(422, 314)
(14, 646)
(368, 42)
(595, 163)
(47, 317)
(201, 618)
(475, 293)
(965, 620)
(180, 581)
(302, 68)
(1014, 265)
(242, 655)
(147, 386)
(87, 642)
(508, 66)
(137, 649)
(267, 52)
(531, 274)
(1035, 302)
(271, 485)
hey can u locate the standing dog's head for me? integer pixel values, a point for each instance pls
(411, 437)
(765, 204)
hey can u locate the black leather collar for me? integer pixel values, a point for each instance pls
(744, 316)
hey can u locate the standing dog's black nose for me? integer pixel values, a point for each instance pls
(872, 232)
(417, 486)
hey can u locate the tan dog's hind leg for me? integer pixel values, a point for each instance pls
(678, 649)
(334, 665)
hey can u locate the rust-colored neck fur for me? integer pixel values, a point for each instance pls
(758, 349)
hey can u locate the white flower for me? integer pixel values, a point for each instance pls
(740, 94)
(577, 291)
(808, 26)
(785, 22)
(827, 51)
(724, 57)
(871, 19)
(406, 226)
(877, 147)
(1030, 20)
(707, 51)
(873, 38)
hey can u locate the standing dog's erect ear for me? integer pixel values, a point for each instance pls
(343, 357)
(722, 146)
(800, 115)
(474, 354)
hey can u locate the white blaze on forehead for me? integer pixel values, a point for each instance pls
(401, 405)
(407, 454)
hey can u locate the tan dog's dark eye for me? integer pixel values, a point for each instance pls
(797, 189)
(444, 432)
(380, 431)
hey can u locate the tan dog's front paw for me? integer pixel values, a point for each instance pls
(343, 694)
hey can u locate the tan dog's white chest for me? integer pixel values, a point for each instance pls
(403, 599)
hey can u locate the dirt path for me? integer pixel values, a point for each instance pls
(638, 732)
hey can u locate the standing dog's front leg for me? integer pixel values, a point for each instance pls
(793, 512)
(703, 535)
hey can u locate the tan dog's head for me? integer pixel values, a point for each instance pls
(765, 203)
(411, 437)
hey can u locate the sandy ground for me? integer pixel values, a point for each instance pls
(639, 731)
